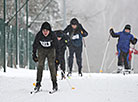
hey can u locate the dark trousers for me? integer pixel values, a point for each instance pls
(60, 60)
(78, 53)
(123, 59)
(42, 55)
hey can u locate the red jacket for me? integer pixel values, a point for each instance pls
(130, 53)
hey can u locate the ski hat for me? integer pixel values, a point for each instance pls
(128, 27)
(59, 33)
(74, 21)
(46, 26)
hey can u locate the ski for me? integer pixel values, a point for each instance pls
(125, 72)
(53, 91)
(35, 91)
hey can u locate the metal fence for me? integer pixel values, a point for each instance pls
(19, 21)
(10, 32)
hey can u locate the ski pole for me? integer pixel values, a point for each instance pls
(67, 61)
(68, 81)
(86, 54)
(133, 57)
(101, 69)
(111, 63)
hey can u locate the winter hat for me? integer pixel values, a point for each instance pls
(59, 33)
(74, 21)
(46, 26)
(128, 27)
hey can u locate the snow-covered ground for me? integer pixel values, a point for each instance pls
(16, 84)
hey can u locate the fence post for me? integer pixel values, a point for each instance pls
(4, 34)
(27, 36)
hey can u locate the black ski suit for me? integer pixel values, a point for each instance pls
(60, 54)
(75, 44)
(46, 47)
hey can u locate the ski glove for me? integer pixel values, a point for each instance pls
(57, 61)
(111, 31)
(134, 41)
(35, 58)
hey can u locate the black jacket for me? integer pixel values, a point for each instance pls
(61, 43)
(79, 31)
(45, 42)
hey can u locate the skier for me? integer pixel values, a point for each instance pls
(75, 31)
(45, 43)
(60, 54)
(124, 40)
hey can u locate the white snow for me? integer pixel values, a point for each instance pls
(16, 84)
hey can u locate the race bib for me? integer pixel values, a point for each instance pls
(45, 44)
(75, 37)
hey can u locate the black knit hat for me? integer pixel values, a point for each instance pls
(46, 26)
(59, 33)
(74, 21)
(128, 27)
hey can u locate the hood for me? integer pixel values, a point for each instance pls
(74, 21)
(46, 26)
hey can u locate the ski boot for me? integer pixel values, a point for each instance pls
(80, 72)
(37, 87)
(127, 71)
(119, 70)
(55, 86)
(69, 74)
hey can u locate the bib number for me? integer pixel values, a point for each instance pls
(45, 44)
(75, 37)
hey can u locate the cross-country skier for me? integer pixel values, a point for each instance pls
(123, 45)
(44, 46)
(76, 32)
(60, 54)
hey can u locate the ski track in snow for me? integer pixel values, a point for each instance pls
(16, 84)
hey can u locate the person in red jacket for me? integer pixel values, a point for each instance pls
(131, 51)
